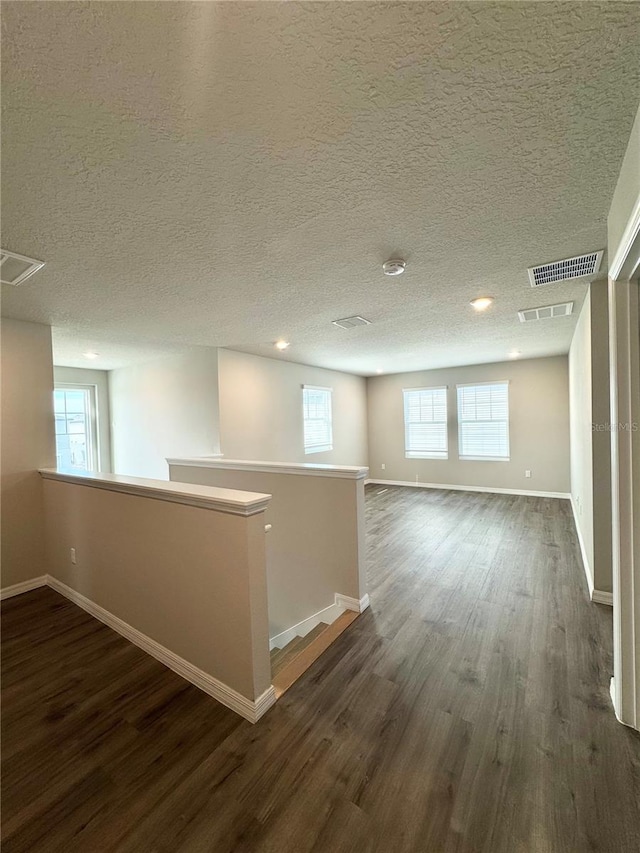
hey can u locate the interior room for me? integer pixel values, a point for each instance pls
(320, 426)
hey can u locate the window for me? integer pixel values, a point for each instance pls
(483, 421)
(76, 439)
(425, 423)
(316, 407)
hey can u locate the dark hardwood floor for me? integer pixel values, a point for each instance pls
(467, 710)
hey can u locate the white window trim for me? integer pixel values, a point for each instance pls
(487, 382)
(320, 448)
(413, 454)
(94, 433)
(464, 458)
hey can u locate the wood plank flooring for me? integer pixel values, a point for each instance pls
(466, 712)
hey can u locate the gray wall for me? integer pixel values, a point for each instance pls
(167, 407)
(100, 379)
(539, 427)
(261, 410)
(316, 547)
(27, 444)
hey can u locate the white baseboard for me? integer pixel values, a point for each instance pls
(583, 551)
(359, 605)
(601, 597)
(250, 710)
(328, 614)
(486, 489)
(25, 586)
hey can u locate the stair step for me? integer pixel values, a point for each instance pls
(296, 666)
(282, 657)
(278, 654)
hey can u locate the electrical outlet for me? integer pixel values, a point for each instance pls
(383, 466)
(73, 556)
(527, 473)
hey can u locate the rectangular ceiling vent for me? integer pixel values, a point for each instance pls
(351, 322)
(14, 269)
(582, 266)
(548, 312)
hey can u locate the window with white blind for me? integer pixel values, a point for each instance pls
(425, 423)
(316, 409)
(483, 421)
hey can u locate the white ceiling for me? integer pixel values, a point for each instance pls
(227, 174)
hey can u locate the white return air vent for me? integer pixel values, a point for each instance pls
(548, 312)
(582, 266)
(351, 322)
(14, 269)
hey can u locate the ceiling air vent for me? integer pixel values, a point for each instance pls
(581, 266)
(548, 312)
(351, 322)
(14, 269)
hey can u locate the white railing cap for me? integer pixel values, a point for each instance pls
(231, 501)
(344, 472)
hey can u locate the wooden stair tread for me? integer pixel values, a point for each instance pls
(301, 660)
(285, 655)
(278, 654)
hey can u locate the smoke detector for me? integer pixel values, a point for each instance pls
(569, 269)
(14, 269)
(394, 266)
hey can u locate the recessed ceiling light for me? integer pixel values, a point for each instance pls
(515, 353)
(91, 355)
(482, 302)
(282, 345)
(379, 370)
(394, 266)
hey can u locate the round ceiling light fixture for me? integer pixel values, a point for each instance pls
(482, 303)
(282, 345)
(91, 355)
(394, 266)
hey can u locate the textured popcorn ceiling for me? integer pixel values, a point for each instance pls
(229, 174)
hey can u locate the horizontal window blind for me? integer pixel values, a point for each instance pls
(425, 423)
(483, 421)
(316, 407)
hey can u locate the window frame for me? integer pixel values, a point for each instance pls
(415, 454)
(93, 435)
(468, 458)
(320, 448)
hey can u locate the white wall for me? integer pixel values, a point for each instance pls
(601, 438)
(261, 410)
(627, 193)
(581, 435)
(624, 325)
(27, 444)
(591, 436)
(99, 379)
(167, 407)
(539, 427)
